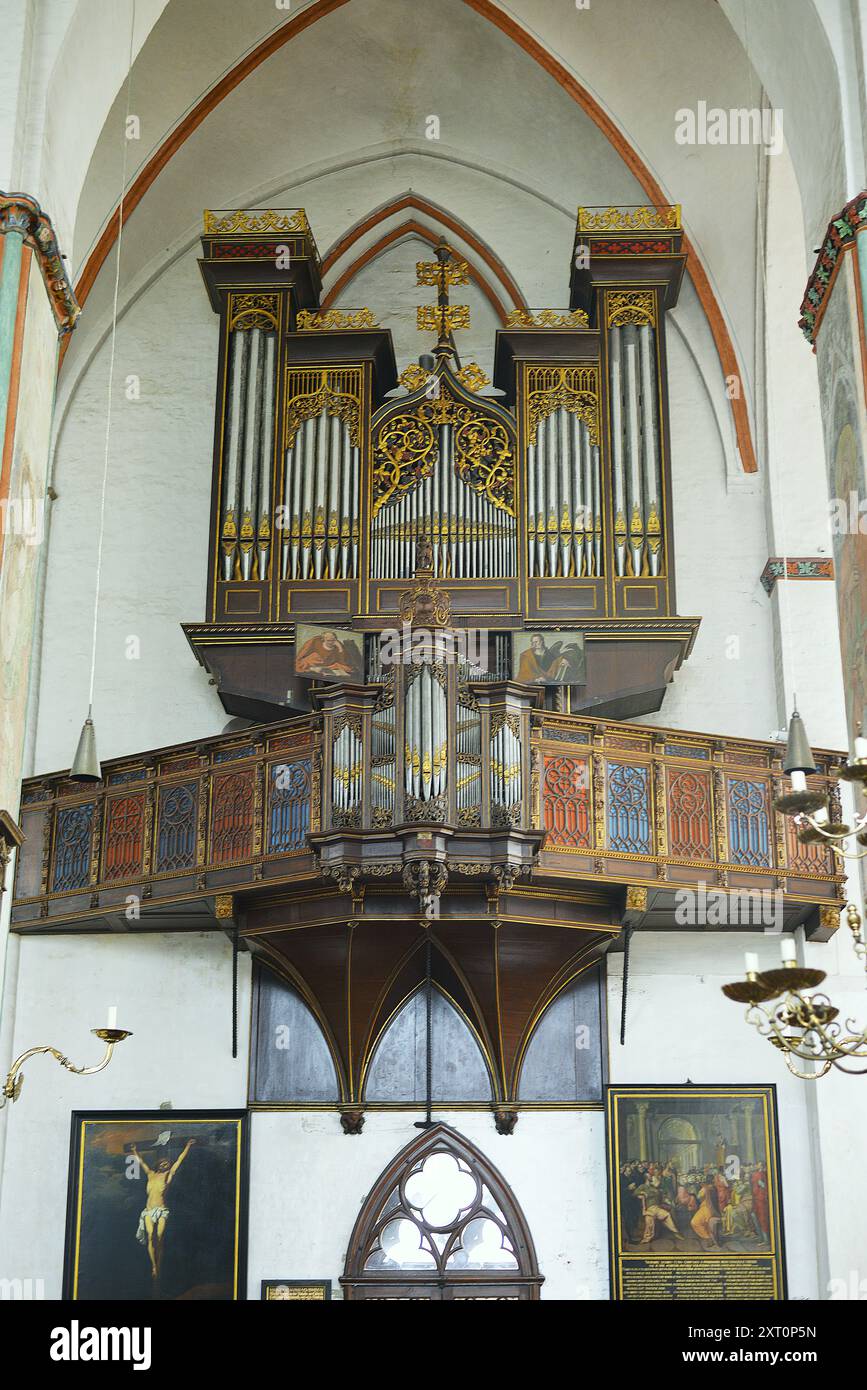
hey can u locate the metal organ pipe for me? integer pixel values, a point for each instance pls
(321, 502)
(245, 504)
(650, 445)
(635, 449)
(619, 480)
(564, 490)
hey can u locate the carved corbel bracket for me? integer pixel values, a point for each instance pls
(352, 1120)
(425, 879)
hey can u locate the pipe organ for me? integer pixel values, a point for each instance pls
(544, 504)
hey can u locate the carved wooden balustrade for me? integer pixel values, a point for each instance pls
(644, 809)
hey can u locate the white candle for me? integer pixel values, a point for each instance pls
(799, 781)
(821, 816)
(752, 961)
(112, 1016)
(861, 748)
(788, 951)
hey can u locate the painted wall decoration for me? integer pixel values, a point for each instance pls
(549, 658)
(157, 1206)
(842, 360)
(328, 653)
(695, 1209)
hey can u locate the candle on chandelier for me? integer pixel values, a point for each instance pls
(788, 951)
(752, 961)
(860, 748)
(112, 1016)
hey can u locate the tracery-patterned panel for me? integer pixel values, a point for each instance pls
(176, 834)
(289, 807)
(566, 802)
(72, 847)
(232, 817)
(628, 809)
(806, 859)
(690, 814)
(124, 837)
(748, 818)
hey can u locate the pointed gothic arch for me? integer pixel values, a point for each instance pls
(441, 1223)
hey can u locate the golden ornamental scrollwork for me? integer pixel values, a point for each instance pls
(473, 377)
(485, 461)
(338, 392)
(547, 318)
(334, 320)
(664, 218)
(406, 450)
(240, 221)
(575, 389)
(405, 453)
(254, 311)
(630, 306)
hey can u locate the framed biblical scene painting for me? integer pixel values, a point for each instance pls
(157, 1205)
(694, 1203)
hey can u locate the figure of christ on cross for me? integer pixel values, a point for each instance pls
(152, 1222)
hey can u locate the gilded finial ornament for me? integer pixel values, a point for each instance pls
(473, 377)
(442, 318)
(413, 377)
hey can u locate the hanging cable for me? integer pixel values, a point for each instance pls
(236, 943)
(427, 1122)
(627, 938)
(111, 360)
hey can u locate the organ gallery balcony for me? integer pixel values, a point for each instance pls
(413, 789)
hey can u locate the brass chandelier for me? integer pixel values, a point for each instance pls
(805, 1027)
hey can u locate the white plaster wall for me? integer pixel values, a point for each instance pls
(310, 1180)
(156, 535)
(174, 992)
(720, 550)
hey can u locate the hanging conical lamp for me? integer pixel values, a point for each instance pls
(798, 762)
(799, 755)
(85, 764)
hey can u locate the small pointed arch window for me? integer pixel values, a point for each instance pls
(441, 1223)
(397, 1070)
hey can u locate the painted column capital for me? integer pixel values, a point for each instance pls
(21, 215)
